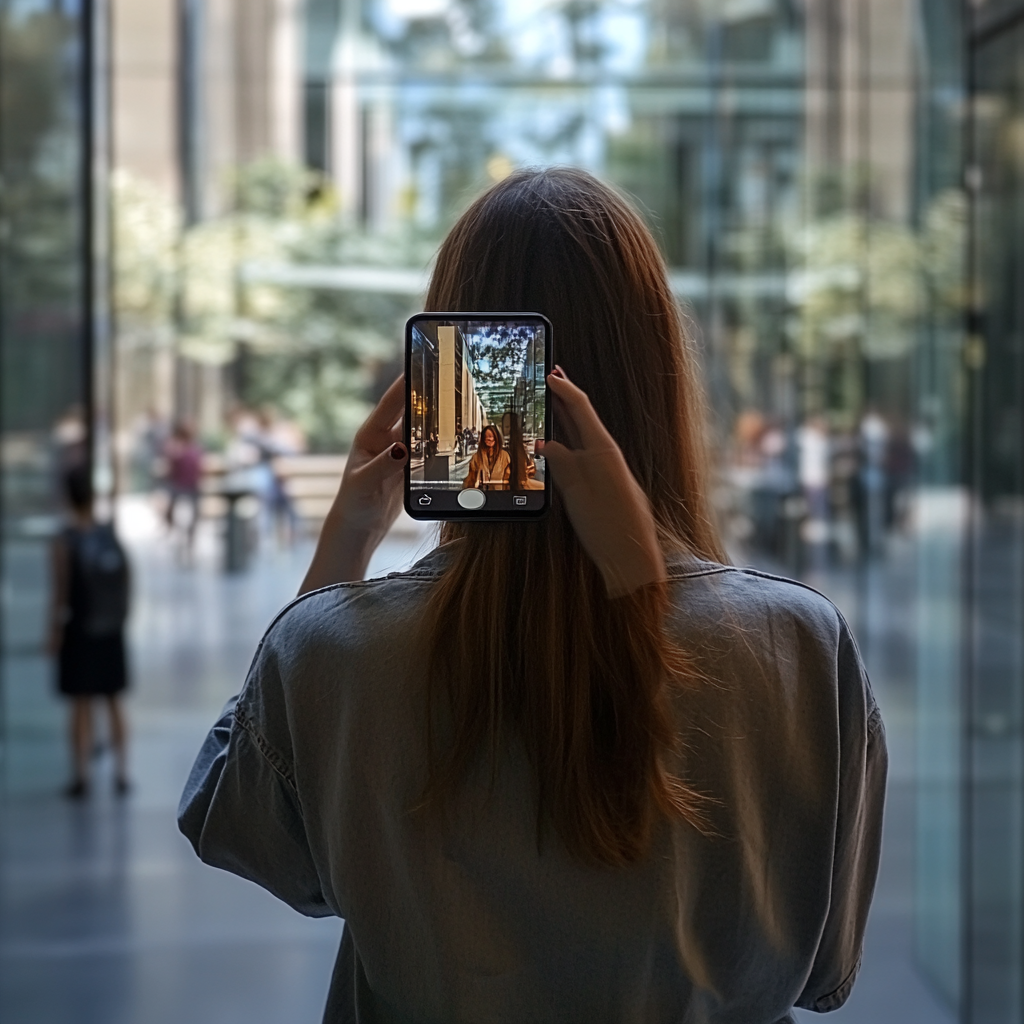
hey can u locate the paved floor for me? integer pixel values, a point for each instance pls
(107, 917)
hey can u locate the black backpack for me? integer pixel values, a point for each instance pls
(99, 580)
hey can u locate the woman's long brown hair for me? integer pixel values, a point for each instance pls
(524, 645)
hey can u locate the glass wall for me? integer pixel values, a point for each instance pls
(942, 499)
(994, 844)
(802, 165)
(44, 401)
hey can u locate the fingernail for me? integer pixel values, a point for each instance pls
(398, 451)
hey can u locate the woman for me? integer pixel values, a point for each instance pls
(489, 467)
(574, 770)
(184, 473)
(89, 609)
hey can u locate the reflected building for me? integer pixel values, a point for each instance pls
(837, 188)
(443, 398)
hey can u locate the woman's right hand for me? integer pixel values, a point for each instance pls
(607, 507)
(368, 500)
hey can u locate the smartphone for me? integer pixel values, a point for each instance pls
(476, 403)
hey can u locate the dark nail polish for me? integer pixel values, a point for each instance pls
(398, 451)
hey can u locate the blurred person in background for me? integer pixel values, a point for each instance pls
(242, 451)
(70, 440)
(874, 503)
(748, 431)
(577, 769)
(184, 464)
(276, 438)
(901, 466)
(815, 464)
(149, 439)
(90, 605)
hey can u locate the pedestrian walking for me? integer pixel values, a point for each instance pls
(184, 459)
(91, 583)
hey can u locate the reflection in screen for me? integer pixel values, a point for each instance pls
(477, 402)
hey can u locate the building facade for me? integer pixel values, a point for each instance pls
(838, 188)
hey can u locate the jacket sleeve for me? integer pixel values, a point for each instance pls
(240, 808)
(858, 840)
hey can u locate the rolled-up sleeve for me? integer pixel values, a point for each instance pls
(858, 839)
(241, 809)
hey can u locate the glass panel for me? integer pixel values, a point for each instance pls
(42, 372)
(941, 501)
(996, 356)
(801, 167)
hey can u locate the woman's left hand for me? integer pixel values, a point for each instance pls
(368, 500)
(607, 507)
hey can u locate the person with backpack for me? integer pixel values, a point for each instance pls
(90, 607)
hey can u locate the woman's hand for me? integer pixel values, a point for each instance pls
(607, 507)
(368, 500)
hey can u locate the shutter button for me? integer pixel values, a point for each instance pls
(472, 498)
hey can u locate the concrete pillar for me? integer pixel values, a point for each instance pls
(446, 389)
(346, 130)
(286, 81)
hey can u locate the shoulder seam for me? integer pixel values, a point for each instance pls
(272, 757)
(745, 570)
(716, 570)
(347, 585)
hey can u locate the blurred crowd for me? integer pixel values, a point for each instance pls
(810, 494)
(169, 459)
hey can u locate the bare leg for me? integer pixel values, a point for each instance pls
(81, 744)
(193, 522)
(119, 741)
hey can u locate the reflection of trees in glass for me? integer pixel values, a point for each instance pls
(315, 354)
(943, 241)
(865, 279)
(443, 36)
(860, 282)
(864, 286)
(40, 182)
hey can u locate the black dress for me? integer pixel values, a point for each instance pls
(89, 663)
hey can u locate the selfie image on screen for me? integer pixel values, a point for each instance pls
(477, 411)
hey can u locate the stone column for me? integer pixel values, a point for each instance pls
(446, 390)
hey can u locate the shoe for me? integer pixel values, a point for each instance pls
(122, 787)
(77, 790)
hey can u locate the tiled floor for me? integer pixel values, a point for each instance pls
(107, 917)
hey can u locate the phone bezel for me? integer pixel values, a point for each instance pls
(471, 515)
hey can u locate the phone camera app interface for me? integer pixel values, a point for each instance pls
(477, 411)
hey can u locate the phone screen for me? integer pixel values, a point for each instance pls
(476, 405)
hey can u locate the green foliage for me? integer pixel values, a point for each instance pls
(41, 373)
(276, 190)
(499, 352)
(314, 353)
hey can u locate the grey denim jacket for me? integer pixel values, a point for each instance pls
(306, 782)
